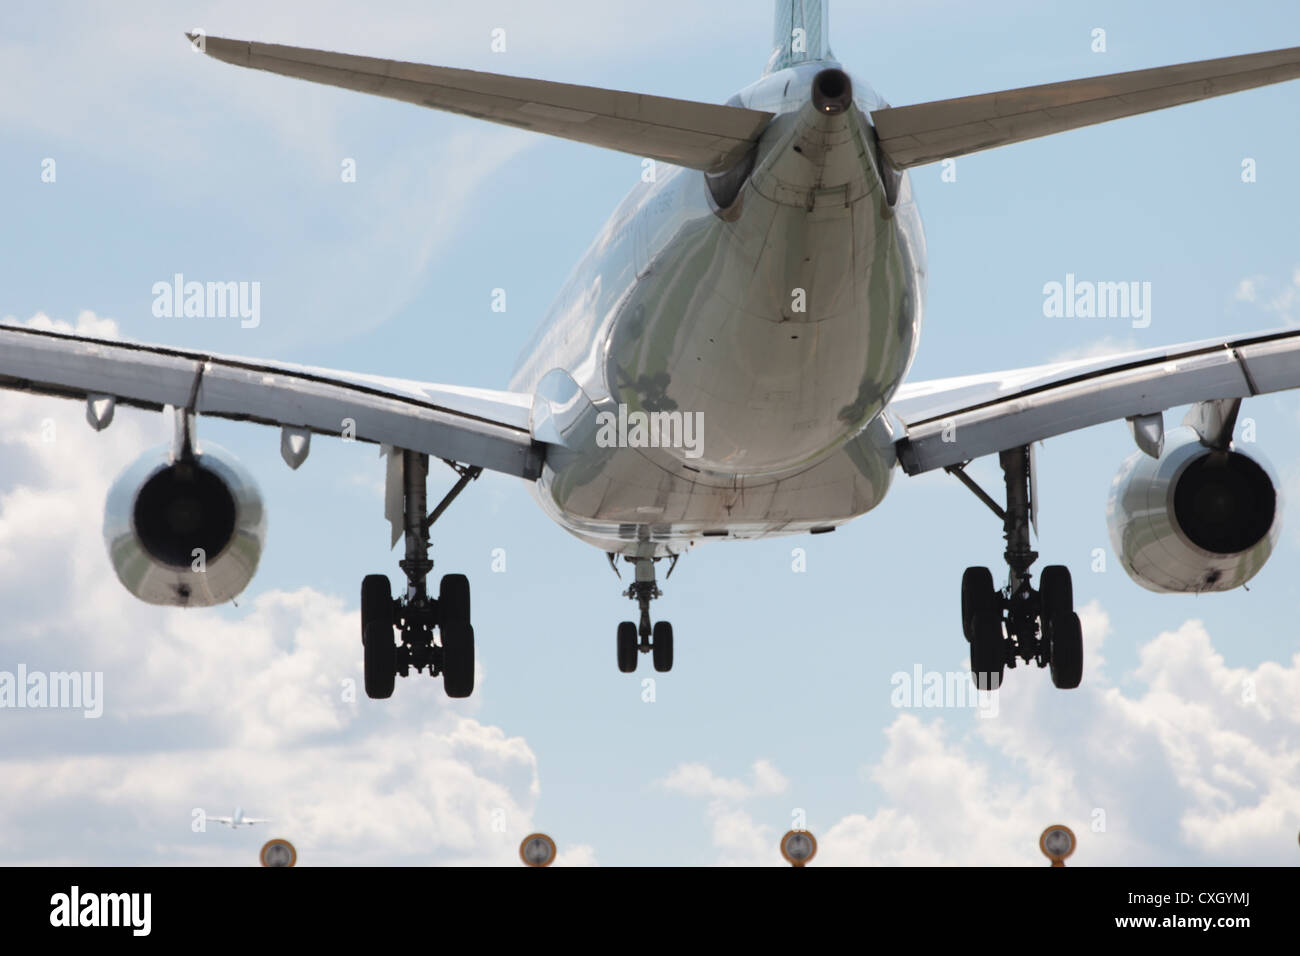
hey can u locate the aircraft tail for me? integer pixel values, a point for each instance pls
(681, 132)
(942, 129)
(801, 33)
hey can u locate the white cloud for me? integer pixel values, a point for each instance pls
(1099, 348)
(259, 707)
(1281, 297)
(580, 854)
(1199, 765)
(697, 780)
(88, 323)
(741, 840)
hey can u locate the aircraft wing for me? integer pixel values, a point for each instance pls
(682, 132)
(468, 425)
(950, 421)
(926, 132)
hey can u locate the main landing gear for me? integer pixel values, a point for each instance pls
(416, 615)
(1019, 621)
(656, 640)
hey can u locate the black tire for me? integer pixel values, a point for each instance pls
(627, 647)
(977, 594)
(988, 650)
(1055, 592)
(662, 649)
(453, 599)
(380, 661)
(1066, 648)
(376, 603)
(457, 657)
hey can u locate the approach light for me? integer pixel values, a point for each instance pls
(1057, 842)
(537, 849)
(798, 847)
(278, 853)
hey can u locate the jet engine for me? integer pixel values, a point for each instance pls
(1195, 519)
(186, 532)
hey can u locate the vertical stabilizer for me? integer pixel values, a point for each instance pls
(801, 33)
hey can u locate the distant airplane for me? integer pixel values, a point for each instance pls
(729, 360)
(237, 820)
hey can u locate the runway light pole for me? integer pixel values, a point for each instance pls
(278, 853)
(798, 847)
(1057, 842)
(537, 850)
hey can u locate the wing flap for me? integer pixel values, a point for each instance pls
(682, 132)
(950, 421)
(927, 132)
(475, 426)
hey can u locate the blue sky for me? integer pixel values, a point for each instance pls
(780, 700)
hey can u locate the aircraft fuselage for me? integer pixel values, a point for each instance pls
(761, 322)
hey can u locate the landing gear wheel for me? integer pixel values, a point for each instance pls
(1065, 644)
(453, 599)
(435, 633)
(380, 660)
(376, 603)
(1019, 621)
(988, 649)
(627, 646)
(977, 594)
(662, 651)
(457, 656)
(1056, 592)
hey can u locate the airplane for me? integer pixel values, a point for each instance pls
(766, 281)
(237, 820)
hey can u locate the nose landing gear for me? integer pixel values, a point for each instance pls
(644, 638)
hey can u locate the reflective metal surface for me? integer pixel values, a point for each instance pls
(761, 302)
(1156, 542)
(782, 324)
(159, 565)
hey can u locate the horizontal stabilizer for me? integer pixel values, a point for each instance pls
(681, 132)
(927, 132)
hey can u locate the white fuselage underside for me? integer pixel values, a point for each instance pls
(780, 326)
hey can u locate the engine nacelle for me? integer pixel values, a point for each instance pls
(185, 533)
(1194, 519)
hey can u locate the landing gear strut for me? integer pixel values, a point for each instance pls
(416, 615)
(645, 638)
(1019, 621)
